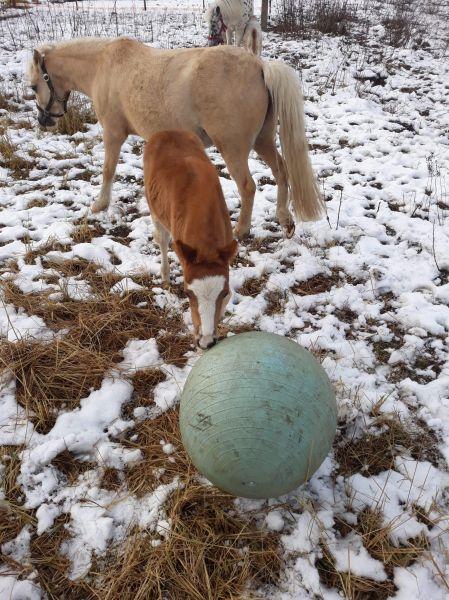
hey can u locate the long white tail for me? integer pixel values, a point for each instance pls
(283, 85)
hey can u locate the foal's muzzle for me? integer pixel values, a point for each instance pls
(206, 342)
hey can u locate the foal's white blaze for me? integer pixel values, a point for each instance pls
(207, 291)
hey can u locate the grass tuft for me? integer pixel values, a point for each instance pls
(10, 159)
(79, 114)
(211, 553)
(376, 450)
(51, 376)
(352, 586)
(85, 232)
(253, 286)
(13, 517)
(173, 347)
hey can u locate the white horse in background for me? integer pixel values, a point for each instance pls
(226, 18)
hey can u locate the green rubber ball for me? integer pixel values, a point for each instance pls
(257, 415)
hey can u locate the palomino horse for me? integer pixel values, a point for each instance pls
(226, 17)
(187, 203)
(225, 95)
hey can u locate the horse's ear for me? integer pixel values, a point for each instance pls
(217, 11)
(36, 57)
(185, 252)
(229, 252)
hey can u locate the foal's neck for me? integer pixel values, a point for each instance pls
(75, 63)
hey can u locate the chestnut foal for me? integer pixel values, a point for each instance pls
(187, 204)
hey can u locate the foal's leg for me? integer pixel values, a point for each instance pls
(162, 237)
(237, 163)
(265, 147)
(112, 143)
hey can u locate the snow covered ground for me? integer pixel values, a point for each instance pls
(366, 290)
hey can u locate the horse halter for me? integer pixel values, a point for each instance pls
(218, 37)
(53, 96)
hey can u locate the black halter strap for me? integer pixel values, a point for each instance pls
(53, 96)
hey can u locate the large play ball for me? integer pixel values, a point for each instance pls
(258, 415)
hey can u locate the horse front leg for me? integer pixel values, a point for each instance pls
(229, 36)
(162, 238)
(236, 159)
(239, 36)
(112, 144)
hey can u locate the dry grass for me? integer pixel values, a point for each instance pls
(52, 375)
(70, 467)
(5, 100)
(173, 347)
(352, 586)
(13, 517)
(105, 323)
(376, 539)
(52, 567)
(144, 381)
(55, 375)
(388, 437)
(299, 17)
(318, 284)
(155, 468)
(120, 234)
(85, 232)
(110, 479)
(211, 553)
(275, 301)
(37, 203)
(51, 245)
(253, 286)
(10, 159)
(78, 115)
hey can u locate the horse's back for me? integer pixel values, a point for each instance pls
(218, 93)
(182, 186)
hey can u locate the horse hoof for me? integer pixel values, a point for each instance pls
(240, 235)
(97, 207)
(289, 230)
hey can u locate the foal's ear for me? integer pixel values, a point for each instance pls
(185, 252)
(217, 11)
(36, 57)
(229, 252)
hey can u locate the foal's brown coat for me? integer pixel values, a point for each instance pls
(187, 203)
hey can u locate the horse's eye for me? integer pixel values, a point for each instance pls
(34, 88)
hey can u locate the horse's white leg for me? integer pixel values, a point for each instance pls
(237, 162)
(229, 36)
(266, 148)
(162, 238)
(112, 144)
(239, 36)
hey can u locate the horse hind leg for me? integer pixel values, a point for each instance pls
(266, 148)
